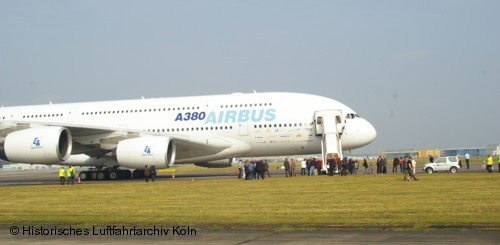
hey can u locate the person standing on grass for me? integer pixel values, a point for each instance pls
(308, 166)
(303, 167)
(240, 169)
(412, 164)
(499, 163)
(287, 167)
(260, 168)
(152, 172)
(395, 165)
(292, 168)
(70, 174)
(251, 169)
(62, 177)
(405, 169)
(384, 165)
(489, 164)
(467, 159)
(344, 166)
(266, 169)
(146, 173)
(331, 166)
(313, 166)
(319, 166)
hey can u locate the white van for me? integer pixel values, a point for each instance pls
(443, 164)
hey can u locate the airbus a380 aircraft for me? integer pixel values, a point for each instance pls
(209, 131)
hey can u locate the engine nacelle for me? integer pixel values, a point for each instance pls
(216, 164)
(40, 145)
(149, 150)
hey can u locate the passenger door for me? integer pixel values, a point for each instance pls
(441, 163)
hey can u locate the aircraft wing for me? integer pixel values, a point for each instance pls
(99, 141)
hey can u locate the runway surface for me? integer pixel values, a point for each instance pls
(266, 237)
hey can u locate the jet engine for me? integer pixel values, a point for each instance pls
(137, 152)
(40, 145)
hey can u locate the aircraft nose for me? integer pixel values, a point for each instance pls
(369, 132)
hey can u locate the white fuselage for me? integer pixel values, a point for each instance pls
(261, 124)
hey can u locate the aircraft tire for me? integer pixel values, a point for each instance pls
(138, 174)
(93, 175)
(114, 175)
(101, 175)
(84, 175)
(126, 174)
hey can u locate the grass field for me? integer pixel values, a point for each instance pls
(455, 201)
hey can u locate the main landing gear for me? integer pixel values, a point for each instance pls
(107, 174)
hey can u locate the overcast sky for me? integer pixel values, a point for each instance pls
(426, 74)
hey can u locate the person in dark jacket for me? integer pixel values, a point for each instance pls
(152, 172)
(395, 165)
(146, 173)
(287, 167)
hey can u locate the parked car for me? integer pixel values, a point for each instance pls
(443, 164)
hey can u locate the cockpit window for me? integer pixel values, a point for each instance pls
(352, 116)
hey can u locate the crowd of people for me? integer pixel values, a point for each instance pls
(150, 172)
(311, 166)
(253, 170)
(67, 176)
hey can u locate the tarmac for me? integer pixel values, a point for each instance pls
(49, 176)
(266, 237)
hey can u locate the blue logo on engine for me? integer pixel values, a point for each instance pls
(147, 151)
(36, 143)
